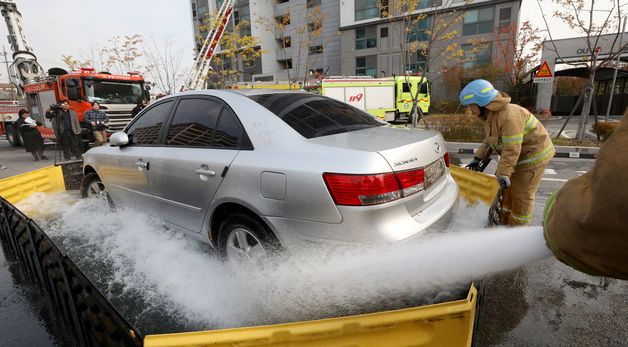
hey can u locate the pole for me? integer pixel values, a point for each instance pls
(610, 98)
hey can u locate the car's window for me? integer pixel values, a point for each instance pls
(313, 116)
(194, 123)
(145, 130)
(229, 131)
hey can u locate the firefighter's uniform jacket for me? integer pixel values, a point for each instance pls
(586, 222)
(525, 148)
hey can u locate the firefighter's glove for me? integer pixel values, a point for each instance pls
(474, 165)
(504, 181)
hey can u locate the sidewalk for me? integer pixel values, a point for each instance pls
(561, 151)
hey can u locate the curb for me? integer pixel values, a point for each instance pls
(561, 151)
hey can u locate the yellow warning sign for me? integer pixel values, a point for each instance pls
(544, 71)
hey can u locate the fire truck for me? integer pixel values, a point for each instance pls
(117, 94)
(388, 98)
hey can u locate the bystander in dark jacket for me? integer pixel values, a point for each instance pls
(31, 138)
(67, 130)
(141, 104)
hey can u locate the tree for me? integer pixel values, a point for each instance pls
(579, 16)
(164, 65)
(302, 41)
(122, 53)
(425, 36)
(278, 27)
(238, 50)
(518, 51)
(429, 35)
(74, 63)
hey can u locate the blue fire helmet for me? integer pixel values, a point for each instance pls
(480, 92)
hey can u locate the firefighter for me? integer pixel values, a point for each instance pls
(524, 146)
(586, 222)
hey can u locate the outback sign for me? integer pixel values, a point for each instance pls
(587, 51)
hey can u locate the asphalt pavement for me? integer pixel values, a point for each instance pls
(548, 303)
(17, 160)
(542, 304)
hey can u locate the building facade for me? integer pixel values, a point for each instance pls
(380, 45)
(298, 38)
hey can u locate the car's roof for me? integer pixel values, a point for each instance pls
(244, 92)
(248, 91)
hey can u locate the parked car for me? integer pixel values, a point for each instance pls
(251, 172)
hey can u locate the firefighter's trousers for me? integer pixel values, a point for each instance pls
(519, 198)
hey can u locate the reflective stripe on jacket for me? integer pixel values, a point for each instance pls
(516, 134)
(586, 222)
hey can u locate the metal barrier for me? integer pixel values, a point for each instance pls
(446, 324)
(87, 313)
(46, 180)
(475, 186)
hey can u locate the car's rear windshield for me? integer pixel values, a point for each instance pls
(314, 115)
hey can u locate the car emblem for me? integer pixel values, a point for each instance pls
(437, 147)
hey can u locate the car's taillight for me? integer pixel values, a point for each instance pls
(411, 181)
(362, 190)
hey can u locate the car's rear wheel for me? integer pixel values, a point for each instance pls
(244, 239)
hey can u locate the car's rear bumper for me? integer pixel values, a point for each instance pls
(367, 225)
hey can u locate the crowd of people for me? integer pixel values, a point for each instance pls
(68, 129)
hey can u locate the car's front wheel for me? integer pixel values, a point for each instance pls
(92, 187)
(245, 240)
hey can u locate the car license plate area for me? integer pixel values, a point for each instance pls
(433, 172)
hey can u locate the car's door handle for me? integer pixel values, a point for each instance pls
(205, 172)
(142, 165)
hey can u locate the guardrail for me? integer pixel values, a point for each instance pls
(86, 312)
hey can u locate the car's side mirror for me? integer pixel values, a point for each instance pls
(119, 139)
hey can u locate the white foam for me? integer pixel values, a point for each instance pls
(183, 277)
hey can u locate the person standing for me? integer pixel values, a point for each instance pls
(523, 143)
(99, 121)
(585, 223)
(67, 129)
(31, 138)
(141, 104)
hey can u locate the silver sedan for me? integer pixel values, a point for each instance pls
(254, 172)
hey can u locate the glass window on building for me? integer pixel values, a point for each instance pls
(419, 64)
(476, 55)
(316, 49)
(366, 9)
(283, 20)
(313, 3)
(478, 21)
(422, 4)
(504, 19)
(418, 32)
(366, 37)
(286, 41)
(366, 66)
(314, 26)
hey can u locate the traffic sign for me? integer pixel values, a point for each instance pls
(544, 71)
(544, 75)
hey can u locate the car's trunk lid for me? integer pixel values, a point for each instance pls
(403, 149)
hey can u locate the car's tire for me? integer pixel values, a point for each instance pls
(243, 238)
(92, 187)
(12, 135)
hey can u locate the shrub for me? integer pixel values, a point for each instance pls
(604, 129)
(457, 127)
(445, 106)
